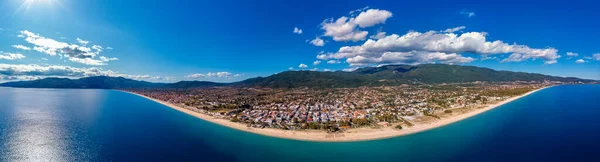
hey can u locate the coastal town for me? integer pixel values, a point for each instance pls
(341, 109)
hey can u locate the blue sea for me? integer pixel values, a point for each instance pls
(560, 123)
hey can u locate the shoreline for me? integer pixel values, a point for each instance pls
(357, 134)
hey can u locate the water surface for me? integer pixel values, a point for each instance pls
(556, 124)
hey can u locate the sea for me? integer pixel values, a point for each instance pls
(560, 123)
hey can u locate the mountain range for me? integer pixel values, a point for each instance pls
(368, 76)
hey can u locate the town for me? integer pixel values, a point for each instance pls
(339, 109)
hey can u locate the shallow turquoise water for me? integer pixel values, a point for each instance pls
(556, 124)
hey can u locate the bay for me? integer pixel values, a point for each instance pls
(560, 123)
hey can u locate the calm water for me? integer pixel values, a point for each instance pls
(556, 124)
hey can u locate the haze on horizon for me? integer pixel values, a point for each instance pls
(227, 41)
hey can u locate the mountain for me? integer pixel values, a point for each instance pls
(398, 74)
(98, 82)
(442, 73)
(368, 76)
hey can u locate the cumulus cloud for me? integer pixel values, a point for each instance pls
(580, 61)
(455, 29)
(317, 42)
(297, 30)
(22, 47)
(317, 62)
(10, 56)
(303, 66)
(467, 14)
(416, 47)
(73, 52)
(379, 35)
(327, 70)
(412, 57)
(572, 54)
(34, 71)
(372, 17)
(347, 28)
(209, 75)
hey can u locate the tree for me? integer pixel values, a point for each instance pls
(398, 127)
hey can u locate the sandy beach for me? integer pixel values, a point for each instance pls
(360, 134)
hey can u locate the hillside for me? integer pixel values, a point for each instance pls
(398, 74)
(98, 82)
(368, 76)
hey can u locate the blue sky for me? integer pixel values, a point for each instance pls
(230, 40)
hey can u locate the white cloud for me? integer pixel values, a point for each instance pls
(596, 56)
(106, 59)
(219, 74)
(34, 71)
(412, 57)
(342, 30)
(297, 30)
(75, 53)
(317, 42)
(209, 75)
(435, 46)
(317, 62)
(82, 42)
(346, 28)
(333, 62)
(580, 61)
(97, 48)
(572, 54)
(4, 78)
(291, 68)
(486, 57)
(303, 66)
(21, 47)
(87, 61)
(350, 69)
(467, 14)
(379, 35)
(10, 56)
(45, 59)
(314, 69)
(455, 29)
(358, 10)
(328, 70)
(372, 17)
(109, 48)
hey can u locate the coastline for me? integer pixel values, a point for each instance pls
(358, 134)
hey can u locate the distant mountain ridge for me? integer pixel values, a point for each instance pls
(368, 76)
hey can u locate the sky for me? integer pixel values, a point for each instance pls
(232, 40)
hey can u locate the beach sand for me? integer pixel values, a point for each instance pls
(359, 134)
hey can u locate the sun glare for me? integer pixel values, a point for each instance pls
(29, 3)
